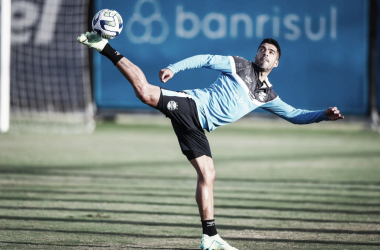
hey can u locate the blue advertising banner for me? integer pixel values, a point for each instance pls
(324, 47)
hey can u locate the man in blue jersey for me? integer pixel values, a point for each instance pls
(241, 87)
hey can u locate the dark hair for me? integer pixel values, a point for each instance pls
(273, 42)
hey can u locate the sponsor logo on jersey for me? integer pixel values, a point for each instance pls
(248, 79)
(262, 96)
(236, 95)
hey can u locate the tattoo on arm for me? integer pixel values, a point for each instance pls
(125, 65)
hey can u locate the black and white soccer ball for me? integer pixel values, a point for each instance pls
(107, 23)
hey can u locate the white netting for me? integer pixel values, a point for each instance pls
(50, 81)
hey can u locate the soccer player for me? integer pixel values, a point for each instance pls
(241, 87)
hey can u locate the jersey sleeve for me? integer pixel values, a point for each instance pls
(215, 62)
(293, 115)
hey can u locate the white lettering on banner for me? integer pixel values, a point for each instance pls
(333, 23)
(260, 21)
(180, 20)
(235, 19)
(322, 29)
(25, 15)
(290, 22)
(276, 24)
(222, 29)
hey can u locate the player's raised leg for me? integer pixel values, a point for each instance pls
(147, 93)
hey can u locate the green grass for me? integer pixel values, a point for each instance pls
(127, 186)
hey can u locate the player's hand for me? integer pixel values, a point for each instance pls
(165, 75)
(333, 114)
(93, 40)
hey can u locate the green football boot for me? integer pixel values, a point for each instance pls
(214, 243)
(93, 40)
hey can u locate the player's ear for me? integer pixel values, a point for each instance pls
(276, 63)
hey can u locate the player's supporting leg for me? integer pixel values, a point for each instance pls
(204, 194)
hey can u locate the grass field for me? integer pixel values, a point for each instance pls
(127, 186)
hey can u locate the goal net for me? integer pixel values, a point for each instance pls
(50, 87)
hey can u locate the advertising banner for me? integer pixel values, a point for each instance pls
(324, 47)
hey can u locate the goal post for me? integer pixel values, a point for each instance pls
(48, 89)
(5, 65)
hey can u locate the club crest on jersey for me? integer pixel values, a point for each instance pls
(172, 105)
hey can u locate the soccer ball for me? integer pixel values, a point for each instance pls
(107, 23)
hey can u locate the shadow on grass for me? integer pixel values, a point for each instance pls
(307, 210)
(73, 170)
(191, 237)
(375, 195)
(220, 226)
(366, 204)
(103, 211)
(92, 246)
(290, 183)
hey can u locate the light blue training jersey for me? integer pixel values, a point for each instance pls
(236, 92)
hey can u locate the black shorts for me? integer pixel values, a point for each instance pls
(182, 111)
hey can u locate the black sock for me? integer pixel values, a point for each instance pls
(111, 54)
(209, 227)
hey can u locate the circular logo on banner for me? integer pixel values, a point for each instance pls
(147, 22)
(172, 105)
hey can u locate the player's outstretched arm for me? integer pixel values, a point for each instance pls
(301, 116)
(147, 93)
(333, 114)
(215, 62)
(165, 75)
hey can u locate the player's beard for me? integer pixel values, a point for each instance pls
(260, 63)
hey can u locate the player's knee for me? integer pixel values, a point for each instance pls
(143, 96)
(208, 175)
(145, 93)
(212, 175)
